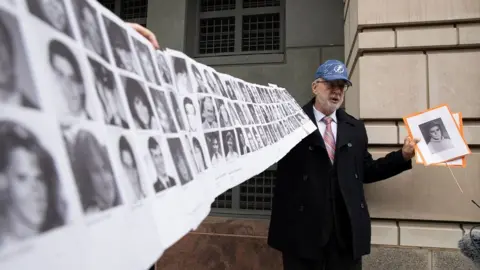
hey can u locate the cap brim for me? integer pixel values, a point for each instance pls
(337, 77)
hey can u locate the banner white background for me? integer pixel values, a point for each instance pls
(112, 151)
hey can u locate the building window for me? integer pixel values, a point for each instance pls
(228, 27)
(128, 10)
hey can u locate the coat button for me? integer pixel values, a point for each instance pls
(305, 177)
(356, 176)
(349, 145)
(362, 205)
(310, 148)
(300, 209)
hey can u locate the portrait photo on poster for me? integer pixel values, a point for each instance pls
(120, 44)
(91, 167)
(190, 107)
(199, 153)
(164, 68)
(176, 111)
(159, 156)
(16, 84)
(181, 76)
(230, 145)
(214, 148)
(179, 157)
(199, 79)
(208, 113)
(234, 117)
(71, 96)
(146, 61)
(440, 137)
(459, 162)
(242, 142)
(139, 104)
(131, 169)
(53, 13)
(90, 28)
(164, 111)
(223, 114)
(32, 195)
(109, 95)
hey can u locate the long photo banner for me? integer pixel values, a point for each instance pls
(112, 151)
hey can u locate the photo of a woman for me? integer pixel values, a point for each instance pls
(53, 13)
(140, 108)
(92, 170)
(30, 195)
(230, 145)
(135, 190)
(198, 155)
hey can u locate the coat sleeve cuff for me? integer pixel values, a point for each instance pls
(404, 164)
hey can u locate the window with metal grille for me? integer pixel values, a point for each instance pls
(230, 27)
(223, 201)
(109, 4)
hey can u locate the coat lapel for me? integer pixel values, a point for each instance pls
(316, 136)
(345, 130)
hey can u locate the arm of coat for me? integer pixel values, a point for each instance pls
(385, 167)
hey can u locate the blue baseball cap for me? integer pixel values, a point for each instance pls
(333, 70)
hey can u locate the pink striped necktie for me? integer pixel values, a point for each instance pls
(328, 138)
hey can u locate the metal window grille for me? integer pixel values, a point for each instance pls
(217, 35)
(261, 32)
(260, 3)
(134, 9)
(229, 27)
(216, 5)
(223, 201)
(257, 192)
(109, 4)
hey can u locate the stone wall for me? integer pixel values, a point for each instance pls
(408, 56)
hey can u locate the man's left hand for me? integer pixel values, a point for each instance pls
(408, 149)
(146, 33)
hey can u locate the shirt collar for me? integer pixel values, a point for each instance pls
(319, 115)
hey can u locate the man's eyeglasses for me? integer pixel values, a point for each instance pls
(337, 84)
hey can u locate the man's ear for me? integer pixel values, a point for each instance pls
(314, 86)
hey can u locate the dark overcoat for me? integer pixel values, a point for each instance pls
(298, 208)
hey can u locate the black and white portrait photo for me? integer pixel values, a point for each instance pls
(134, 187)
(219, 84)
(53, 13)
(90, 30)
(181, 76)
(180, 160)
(164, 68)
(244, 91)
(146, 61)
(198, 155)
(241, 115)
(163, 180)
(92, 169)
(211, 82)
(139, 104)
(436, 136)
(251, 109)
(16, 84)
(108, 95)
(121, 47)
(201, 84)
(230, 145)
(164, 111)
(248, 115)
(214, 147)
(235, 119)
(230, 91)
(224, 117)
(71, 96)
(208, 113)
(191, 113)
(250, 139)
(30, 192)
(177, 112)
(242, 142)
(258, 139)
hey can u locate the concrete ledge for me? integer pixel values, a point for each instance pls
(382, 133)
(471, 133)
(242, 59)
(449, 259)
(423, 234)
(469, 33)
(384, 232)
(395, 258)
(427, 36)
(376, 39)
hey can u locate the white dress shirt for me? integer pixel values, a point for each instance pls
(322, 126)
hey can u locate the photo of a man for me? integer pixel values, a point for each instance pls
(436, 136)
(190, 109)
(146, 61)
(108, 95)
(214, 147)
(90, 27)
(163, 111)
(163, 180)
(208, 113)
(121, 47)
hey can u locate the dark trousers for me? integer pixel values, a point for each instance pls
(152, 267)
(333, 257)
